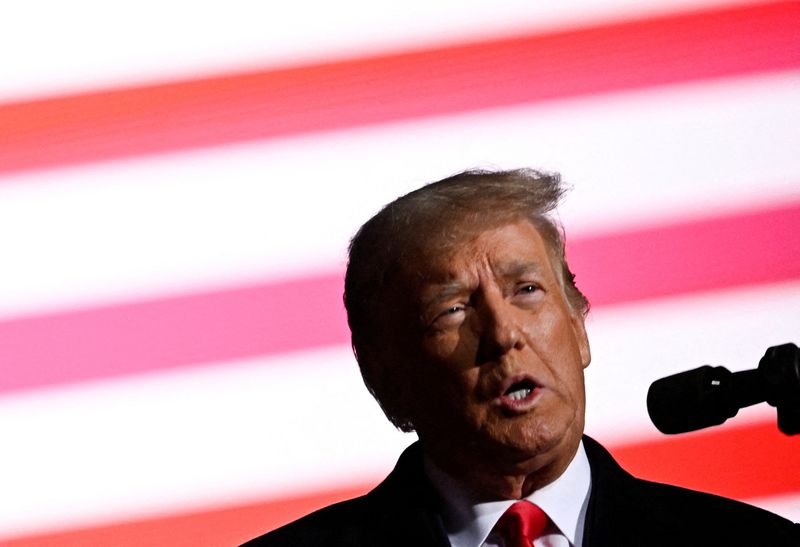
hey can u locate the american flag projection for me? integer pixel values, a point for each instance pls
(178, 183)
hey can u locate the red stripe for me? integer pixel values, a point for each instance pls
(715, 253)
(193, 329)
(214, 528)
(730, 251)
(738, 462)
(265, 104)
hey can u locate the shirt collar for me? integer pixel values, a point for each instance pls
(468, 524)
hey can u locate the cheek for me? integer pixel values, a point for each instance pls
(454, 350)
(554, 340)
(449, 364)
(545, 332)
(439, 347)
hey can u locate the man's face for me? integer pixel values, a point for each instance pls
(487, 352)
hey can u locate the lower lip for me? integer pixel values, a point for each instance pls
(518, 405)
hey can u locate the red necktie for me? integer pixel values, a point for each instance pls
(521, 524)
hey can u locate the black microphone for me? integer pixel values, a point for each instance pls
(708, 396)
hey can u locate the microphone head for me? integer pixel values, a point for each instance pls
(692, 400)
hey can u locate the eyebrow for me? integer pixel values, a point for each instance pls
(442, 291)
(516, 268)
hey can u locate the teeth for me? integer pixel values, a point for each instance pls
(519, 394)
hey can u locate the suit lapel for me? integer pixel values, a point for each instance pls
(412, 508)
(614, 517)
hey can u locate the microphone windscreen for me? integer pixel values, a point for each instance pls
(691, 400)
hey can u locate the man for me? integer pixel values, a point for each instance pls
(469, 329)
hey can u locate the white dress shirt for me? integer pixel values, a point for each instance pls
(469, 524)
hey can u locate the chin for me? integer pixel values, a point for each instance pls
(542, 439)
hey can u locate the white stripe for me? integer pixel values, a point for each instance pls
(83, 44)
(183, 440)
(242, 431)
(635, 344)
(131, 229)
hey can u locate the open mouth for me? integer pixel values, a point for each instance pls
(520, 390)
(520, 393)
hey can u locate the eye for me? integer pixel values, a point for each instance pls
(450, 317)
(528, 294)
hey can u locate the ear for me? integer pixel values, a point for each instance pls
(579, 328)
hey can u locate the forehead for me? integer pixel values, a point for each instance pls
(505, 249)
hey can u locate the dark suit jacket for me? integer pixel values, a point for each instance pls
(623, 512)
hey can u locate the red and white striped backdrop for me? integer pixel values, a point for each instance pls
(178, 182)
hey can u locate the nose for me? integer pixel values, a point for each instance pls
(500, 331)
